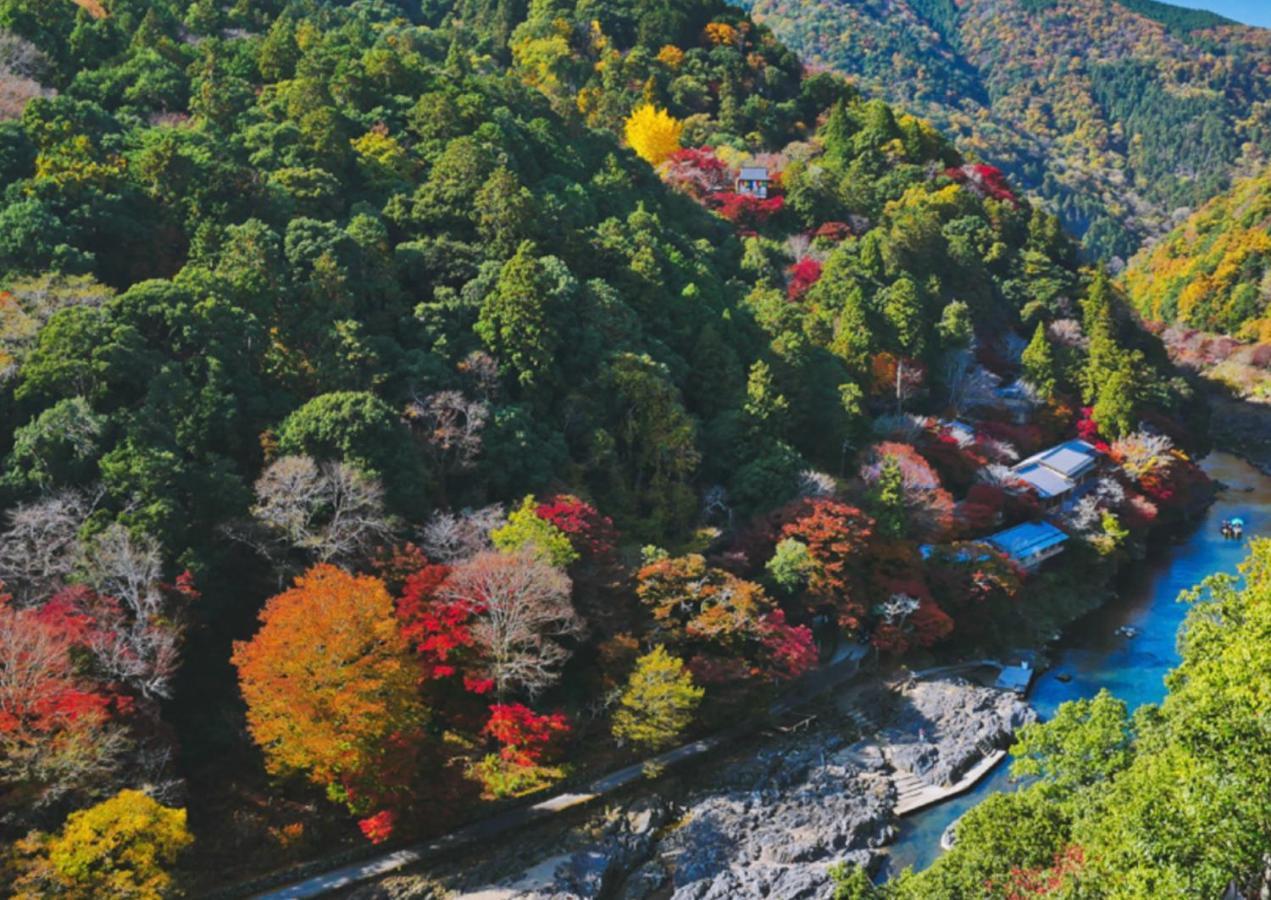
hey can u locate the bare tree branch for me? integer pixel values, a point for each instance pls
(523, 611)
(40, 548)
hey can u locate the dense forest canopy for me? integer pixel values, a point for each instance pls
(401, 402)
(1115, 114)
(1212, 272)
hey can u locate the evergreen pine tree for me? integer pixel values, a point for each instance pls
(887, 499)
(1039, 363)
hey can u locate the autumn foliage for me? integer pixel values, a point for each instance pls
(838, 536)
(592, 534)
(747, 211)
(653, 133)
(523, 735)
(332, 687)
(437, 629)
(988, 181)
(697, 172)
(801, 276)
(729, 627)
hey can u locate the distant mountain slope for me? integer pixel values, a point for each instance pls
(1117, 113)
(1214, 271)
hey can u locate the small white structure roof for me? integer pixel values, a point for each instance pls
(1015, 678)
(753, 173)
(960, 431)
(1071, 458)
(1055, 471)
(1046, 481)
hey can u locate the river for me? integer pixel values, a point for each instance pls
(1096, 657)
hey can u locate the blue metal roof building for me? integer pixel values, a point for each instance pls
(1030, 544)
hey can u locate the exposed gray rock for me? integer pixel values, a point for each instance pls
(940, 729)
(601, 867)
(643, 881)
(794, 812)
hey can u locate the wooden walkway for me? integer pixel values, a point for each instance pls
(914, 794)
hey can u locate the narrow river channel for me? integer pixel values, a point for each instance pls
(1096, 657)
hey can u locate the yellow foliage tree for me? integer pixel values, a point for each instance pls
(653, 133)
(658, 703)
(721, 34)
(121, 848)
(670, 56)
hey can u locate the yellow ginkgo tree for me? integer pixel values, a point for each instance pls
(653, 133)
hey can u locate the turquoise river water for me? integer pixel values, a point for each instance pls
(1096, 657)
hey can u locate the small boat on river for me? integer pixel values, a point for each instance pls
(1233, 529)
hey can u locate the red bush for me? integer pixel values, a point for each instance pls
(591, 534)
(801, 276)
(790, 649)
(987, 181)
(525, 735)
(379, 827)
(697, 172)
(746, 211)
(438, 629)
(838, 536)
(833, 231)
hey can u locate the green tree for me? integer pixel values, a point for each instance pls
(903, 307)
(1038, 361)
(362, 430)
(1002, 835)
(1085, 743)
(766, 409)
(1117, 401)
(956, 328)
(658, 702)
(519, 318)
(654, 442)
(887, 499)
(59, 446)
(791, 565)
(851, 882)
(505, 213)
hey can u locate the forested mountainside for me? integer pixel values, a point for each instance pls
(1118, 114)
(353, 351)
(1212, 272)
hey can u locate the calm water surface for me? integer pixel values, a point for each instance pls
(1096, 658)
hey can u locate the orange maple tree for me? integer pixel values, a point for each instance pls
(332, 688)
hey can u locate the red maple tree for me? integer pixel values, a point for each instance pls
(591, 533)
(525, 736)
(838, 537)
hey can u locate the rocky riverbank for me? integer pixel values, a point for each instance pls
(1242, 427)
(765, 821)
(942, 728)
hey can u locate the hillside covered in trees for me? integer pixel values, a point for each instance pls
(1212, 272)
(403, 406)
(1117, 114)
